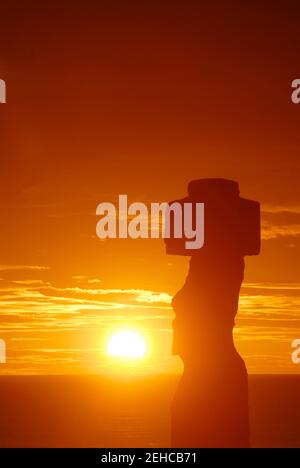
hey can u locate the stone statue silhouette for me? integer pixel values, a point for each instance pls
(210, 408)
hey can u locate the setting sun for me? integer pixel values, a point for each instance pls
(127, 344)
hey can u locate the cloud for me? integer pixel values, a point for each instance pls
(269, 208)
(271, 231)
(125, 296)
(23, 268)
(29, 282)
(279, 223)
(81, 278)
(73, 307)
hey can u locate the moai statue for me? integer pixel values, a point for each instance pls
(210, 408)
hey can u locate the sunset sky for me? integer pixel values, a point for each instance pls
(112, 97)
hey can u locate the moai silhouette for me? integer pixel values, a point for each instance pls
(210, 408)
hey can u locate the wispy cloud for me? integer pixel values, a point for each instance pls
(280, 222)
(23, 268)
(271, 208)
(273, 231)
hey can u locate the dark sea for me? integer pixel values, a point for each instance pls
(94, 411)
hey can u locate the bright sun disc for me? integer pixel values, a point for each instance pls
(126, 344)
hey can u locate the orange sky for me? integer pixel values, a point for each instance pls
(105, 98)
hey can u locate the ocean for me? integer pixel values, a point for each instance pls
(95, 411)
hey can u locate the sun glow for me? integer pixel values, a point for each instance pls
(127, 344)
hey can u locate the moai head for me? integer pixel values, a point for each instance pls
(231, 223)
